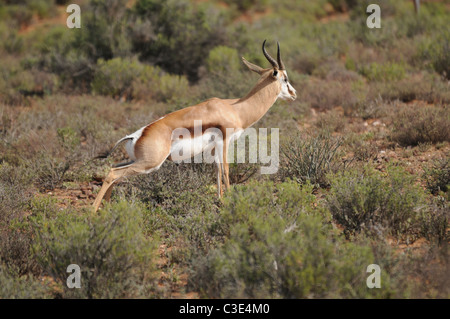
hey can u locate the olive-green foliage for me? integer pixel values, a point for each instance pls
(225, 77)
(437, 176)
(73, 53)
(376, 203)
(103, 33)
(416, 124)
(309, 158)
(11, 41)
(331, 121)
(223, 59)
(15, 242)
(18, 82)
(182, 203)
(343, 5)
(14, 192)
(115, 77)
(435, 221)
(279, 246)
(383, 72)
(15, 287)
(170, 88)
(248, 4)
(115, 257)
(424, 86)
(436, 53)
(163, 29)
(327, 94)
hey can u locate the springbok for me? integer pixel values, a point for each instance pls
(151, 145)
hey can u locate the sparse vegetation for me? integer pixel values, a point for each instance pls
(416, 124)
(310, 158)
(367, 200)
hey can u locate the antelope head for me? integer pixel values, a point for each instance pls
(277, 73)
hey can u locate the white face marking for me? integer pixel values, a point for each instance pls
(287, 91)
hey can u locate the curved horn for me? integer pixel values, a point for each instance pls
(268, 57)
(280, 63)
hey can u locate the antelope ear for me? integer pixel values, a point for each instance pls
(253, 67)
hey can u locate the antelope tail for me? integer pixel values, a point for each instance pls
(107, 153)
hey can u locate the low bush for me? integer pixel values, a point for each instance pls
(158, 40)
(115, 77)
(280, 246)
(437, 177)
(326, 95)
(115, 257)
(366, 200)
(128, 78)
(16, 192)
(435, 53)
(175, 194)
(435, 221)
(425, 87)
(309, 158)
(385, 72)
(332, 121)
(21, 287)
(415, 124)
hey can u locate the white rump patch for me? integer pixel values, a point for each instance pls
(129, 144)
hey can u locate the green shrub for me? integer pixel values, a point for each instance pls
(309, 158)
(435, 221)
(223, 59)
(170, 88)
(327, 94)
(129, 78)
(182, 203)
(416, 124)
(331, 121)
(279, 246)
(419, 86)
(343, 5)
(12, 42)
(115, 257)
(437, 177)
(20, 287)
(367, 200)
(248, 4)
(16, 193)
(159, 40)
(383, 72)
(436, 53)
(115, 77)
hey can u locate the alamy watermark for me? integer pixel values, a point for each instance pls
(374, 280)
(208, 146)
(73, 20)
(373, 20)
(74, 280)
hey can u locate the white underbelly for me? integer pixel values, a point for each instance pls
(186, 148)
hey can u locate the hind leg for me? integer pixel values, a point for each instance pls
(114, 175)
(107, 196)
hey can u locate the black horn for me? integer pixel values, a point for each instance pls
(280, 63)
(268, 57)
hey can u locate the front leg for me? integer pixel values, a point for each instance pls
(219, 179)
(226, 168)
